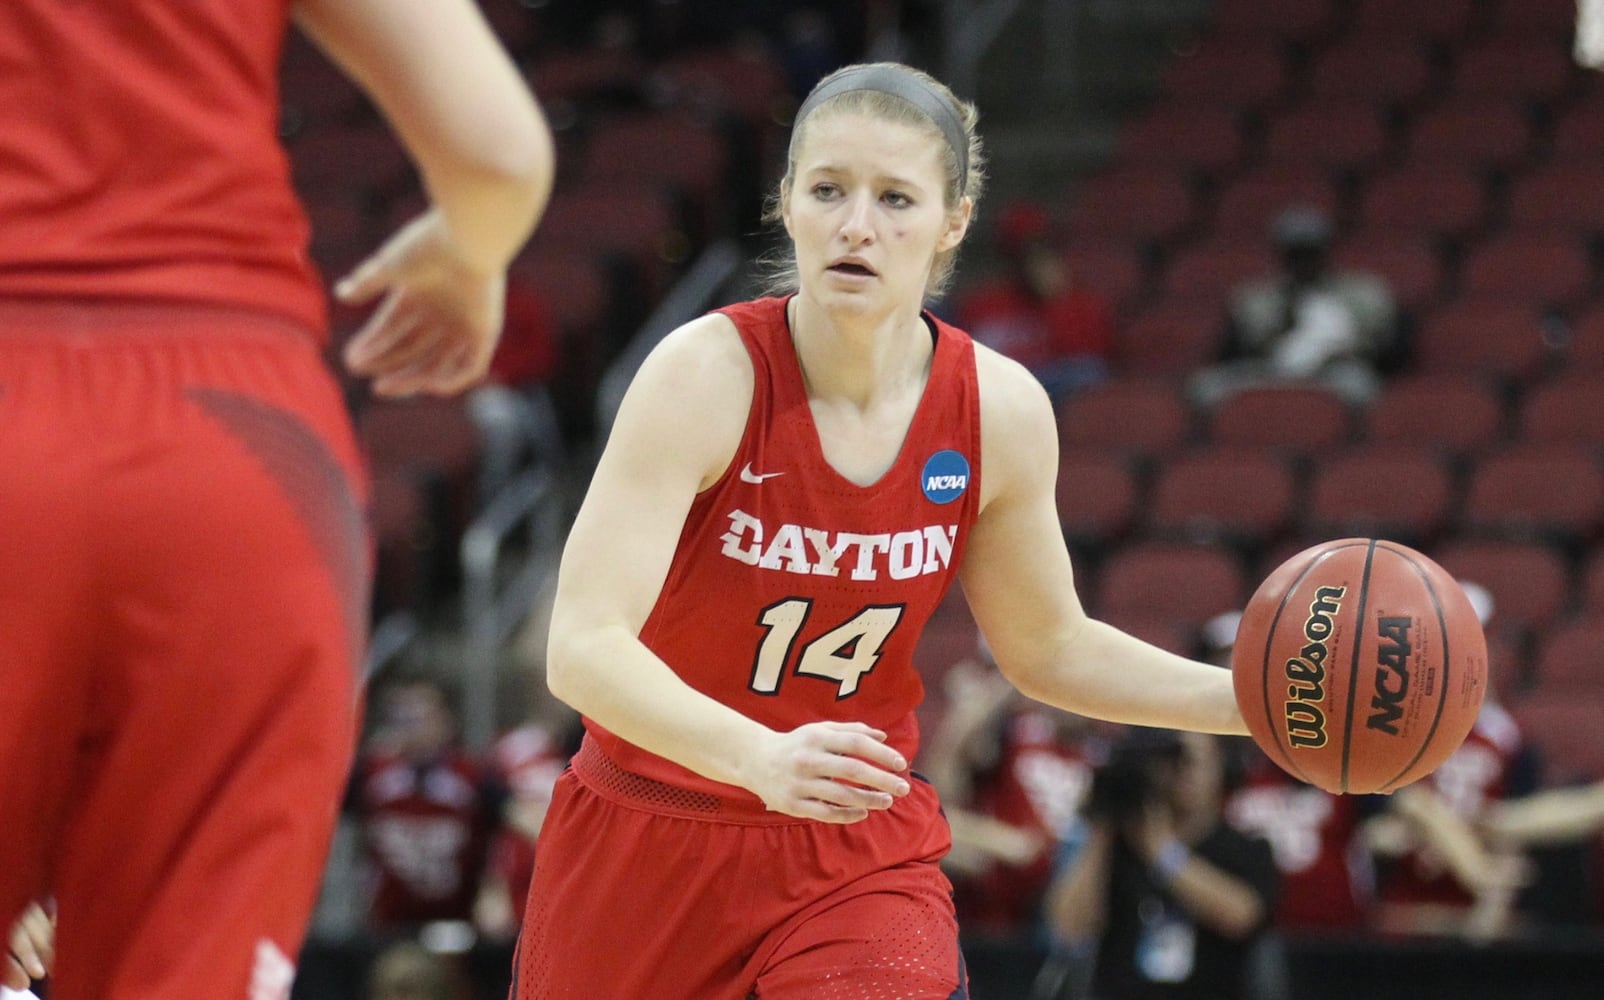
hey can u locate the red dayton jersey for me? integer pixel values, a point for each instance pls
(139, 158)
(797, 596)
(427, 831)
(1327, 878)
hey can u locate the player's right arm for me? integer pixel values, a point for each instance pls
(485, 155)
(676, 432)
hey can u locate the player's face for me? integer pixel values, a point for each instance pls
(866, 211)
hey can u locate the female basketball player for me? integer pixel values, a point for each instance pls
(791, 486)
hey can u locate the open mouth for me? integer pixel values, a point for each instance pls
(850, 267)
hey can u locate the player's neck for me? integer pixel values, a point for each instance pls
(859, 358)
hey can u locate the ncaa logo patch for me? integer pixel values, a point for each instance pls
(945, 477)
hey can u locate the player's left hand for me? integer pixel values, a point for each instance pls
(31, 948)
(439, 320)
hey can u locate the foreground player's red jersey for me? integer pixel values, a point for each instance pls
(138, 158)
(796, 595)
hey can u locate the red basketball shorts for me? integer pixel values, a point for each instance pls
(641, 893)
(183, 581)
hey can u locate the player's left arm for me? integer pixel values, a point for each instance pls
(1021, 587)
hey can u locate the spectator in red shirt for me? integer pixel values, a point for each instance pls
(1036, 311)
(426, 809)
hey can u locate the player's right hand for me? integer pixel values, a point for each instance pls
(31, 948)
(438, 321)
(835, 772)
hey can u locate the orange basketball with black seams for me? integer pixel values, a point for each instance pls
(1359, 665)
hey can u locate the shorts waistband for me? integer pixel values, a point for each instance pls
(90, 319)
(606, 777)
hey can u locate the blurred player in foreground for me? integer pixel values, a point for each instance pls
(791, 486)
(184, 565)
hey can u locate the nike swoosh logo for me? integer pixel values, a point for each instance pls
(748, 476)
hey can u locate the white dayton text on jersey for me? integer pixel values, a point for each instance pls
(796, 548)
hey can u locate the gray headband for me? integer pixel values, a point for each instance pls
(897, 82)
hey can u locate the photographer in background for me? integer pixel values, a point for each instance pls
(1163, 897)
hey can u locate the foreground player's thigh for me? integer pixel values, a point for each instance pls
(891, 935)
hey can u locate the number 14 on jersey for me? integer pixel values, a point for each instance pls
(843, 654)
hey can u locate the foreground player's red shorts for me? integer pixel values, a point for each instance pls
(641, 890)
(183, 586)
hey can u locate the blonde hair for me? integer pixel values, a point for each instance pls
(779, 272)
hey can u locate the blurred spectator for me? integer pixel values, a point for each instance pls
(527, 761)
(1438, 874)
(1327, 875)
(408, 971)
(425, 809)
(1036, 311)
(1308, 322)
(1012, 773)
(1168, 899)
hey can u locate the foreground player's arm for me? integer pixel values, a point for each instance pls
(676, 432)
(485, 155)
(1020, 585)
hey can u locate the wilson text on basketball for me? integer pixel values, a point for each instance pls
(1306, 672)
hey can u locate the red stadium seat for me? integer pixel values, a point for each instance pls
(1146, 204)
(1544, 268)
(1568, 660)
(1142, 417)
(1378, 70)
(1412, 269)
(636, 222)
(1111, 268)
(356, 161)
(573, 287)
(1183, 136)
(1529, 581)
(1431, 199)
(1381, 491)
(1098, 496)
(1230, 75)
(1498, 337)
(1553, 21)
(661, 148)
(1564, 730)
(1185, 584)
(1239, 496)
(1439, 19)
(1249, 204)
(1335, 135)
(1565, 409)
(1590, 597)
(1579, 134)
(1172, 338)
(1298, 419)
(1278, 20)
(1563, 197)
(583, 74)
(744, 81)
(1537, 491)
(1452, 414)
(1212, 270)
(1584, 349)
(1470, 135)
(314, 93)
(1526, 70)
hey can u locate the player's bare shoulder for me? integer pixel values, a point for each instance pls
(1018, 430)
(693, 393)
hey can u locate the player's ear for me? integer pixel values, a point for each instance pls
(957, 225)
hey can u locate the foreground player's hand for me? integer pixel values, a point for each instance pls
(31, 949)
(830, 771)
(439, 320)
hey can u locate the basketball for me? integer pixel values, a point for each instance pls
(1359, 665)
